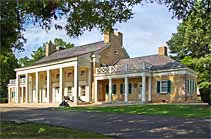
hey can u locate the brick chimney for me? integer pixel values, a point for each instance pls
(162, 51)
(49, 48)
(112, 36)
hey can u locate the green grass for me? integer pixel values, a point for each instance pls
(189, 111)
(42, 131)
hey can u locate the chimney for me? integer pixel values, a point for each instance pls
(162, 51)
(49, 48)
(112, 36)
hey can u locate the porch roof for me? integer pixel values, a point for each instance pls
(158, 62)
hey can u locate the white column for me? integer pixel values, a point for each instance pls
(37, 87)
(150, 89)
(22, 94)
(110, 90)
(48, 86)
(126, 89)
(143, 88)
(76, 84)
(9, 95)
(27, 88)
(96, 91)
(17, 88)
(61, 84)
(89, 84)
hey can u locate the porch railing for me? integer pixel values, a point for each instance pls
(12, 81)
(123, 68)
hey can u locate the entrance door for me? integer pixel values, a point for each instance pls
(56, 95)
(44, 95)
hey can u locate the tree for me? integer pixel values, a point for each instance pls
(8, 64)
(60, 43)
(192, 45)
(81, 15)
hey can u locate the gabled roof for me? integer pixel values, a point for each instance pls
(158, 62)
(73, 52)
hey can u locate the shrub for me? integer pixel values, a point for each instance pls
(206, 95)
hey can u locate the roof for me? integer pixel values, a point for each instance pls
(158, 62)
(73, 52)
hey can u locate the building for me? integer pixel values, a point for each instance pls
(103, 72)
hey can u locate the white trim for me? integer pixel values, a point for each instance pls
(163, 92)
(123, 75)
(47, 64)
(175, 72)
(51, 67)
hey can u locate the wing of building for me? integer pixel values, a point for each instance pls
(103, 72)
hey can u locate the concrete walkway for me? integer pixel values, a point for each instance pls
(117, 125)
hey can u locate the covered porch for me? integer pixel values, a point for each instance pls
(121, 83)
(51, 84)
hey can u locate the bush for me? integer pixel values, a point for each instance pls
(3, 100)
(206, 95)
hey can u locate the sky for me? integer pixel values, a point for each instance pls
(151, 27)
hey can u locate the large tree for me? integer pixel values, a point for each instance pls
(192, 44)
(81, 15)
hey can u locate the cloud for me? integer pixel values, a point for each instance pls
(151, 27)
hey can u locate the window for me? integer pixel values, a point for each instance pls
(164, 86)
(190, 86)
(130, 88)
(114, 89)
(57, 76)
(83, 73)
(69, 74)
(13, 94)
(83, 90)
(69, 91)
(122, 88)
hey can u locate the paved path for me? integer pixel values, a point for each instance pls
(118, 125)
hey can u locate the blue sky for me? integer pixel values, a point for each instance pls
(151, 27)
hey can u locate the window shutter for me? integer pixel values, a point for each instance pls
(130, 88)
(169, 86)
(158, 87)
(107, 89)
(121, 88)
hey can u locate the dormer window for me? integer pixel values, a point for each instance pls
(116, 52)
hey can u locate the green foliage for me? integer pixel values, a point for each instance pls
(192, 46)
(8, 63)
(81, 15)
(36, 55)
(60, 43)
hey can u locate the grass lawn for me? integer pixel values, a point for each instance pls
(41, 131)
(190, 111)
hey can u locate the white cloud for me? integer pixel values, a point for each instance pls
(151, 26)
